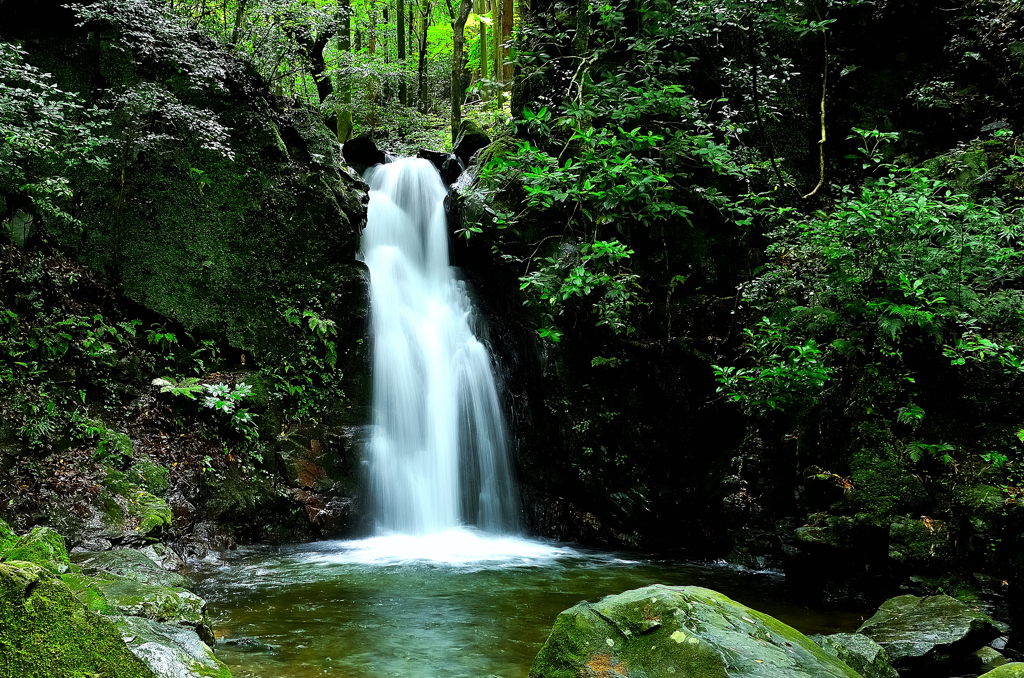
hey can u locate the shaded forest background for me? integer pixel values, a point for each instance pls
(751, 270)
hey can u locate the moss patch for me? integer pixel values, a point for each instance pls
(45, 632)
(43, 547)
(686, 632)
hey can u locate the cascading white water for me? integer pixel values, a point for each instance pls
(438, 453)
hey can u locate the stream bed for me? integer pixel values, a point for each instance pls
(457, 605)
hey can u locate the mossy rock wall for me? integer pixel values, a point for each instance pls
(222, 245)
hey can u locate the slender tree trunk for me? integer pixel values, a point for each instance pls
(521, 94)
(403, 95)
(344, 81)
(582, 39)
(507, 17)
(236, 32)
(425, 10)
(409, 48)
(371, 31)
(496, 8)
(459, 63)
(483, 52)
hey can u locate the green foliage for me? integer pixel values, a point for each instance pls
(47, 134)
(307, 380)
(622, 157)
(219, 397)
(188, 387)
(787, 376)
(905, 265)
(579, 272)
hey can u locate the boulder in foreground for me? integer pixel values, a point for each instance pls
(920, 632)
(859, 652)
(45, 632)
(1014, 670)
(678, 632)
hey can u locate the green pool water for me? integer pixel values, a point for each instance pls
(431, 609)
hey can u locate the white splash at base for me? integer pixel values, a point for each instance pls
(457, 547)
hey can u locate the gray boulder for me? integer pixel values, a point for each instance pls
(678, 632)
(859, 652)
(169, 651)
(130, 564)
(921, 632)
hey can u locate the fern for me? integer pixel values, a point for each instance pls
(187, 387)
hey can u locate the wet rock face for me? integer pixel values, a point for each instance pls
(683, 632)
(447, 164)
(921, 632)
(130, 564)
(471, 138)
(361, 152)
(169, 650)
(859, 652)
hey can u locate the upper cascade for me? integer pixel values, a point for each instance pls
(438, 450)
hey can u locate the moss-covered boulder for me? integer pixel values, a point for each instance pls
(1014, 670)
(921, 632)
(160, 603)
(7, 537)
(683, 632)
(46, 632)
(171, 651)
(859, 652)
(130, 564)
(125, 509)
(921, 544)
(41, 546)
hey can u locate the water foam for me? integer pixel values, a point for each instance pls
(455, 548)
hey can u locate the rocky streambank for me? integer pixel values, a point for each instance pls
(121, 613)
(688, 631)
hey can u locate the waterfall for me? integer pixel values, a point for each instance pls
(438, 454)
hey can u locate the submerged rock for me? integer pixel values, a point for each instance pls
(859, 652)
(247, 644)
(919, 632)
(678, 632)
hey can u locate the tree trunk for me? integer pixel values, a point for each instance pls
(409, 49)
(496, 8)
(425, 10)
(403, 95)
(236, 33)
(344, 82)
(507, 17)
(459, 63)
(521, 94)
(324, 87)
(481, 9)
